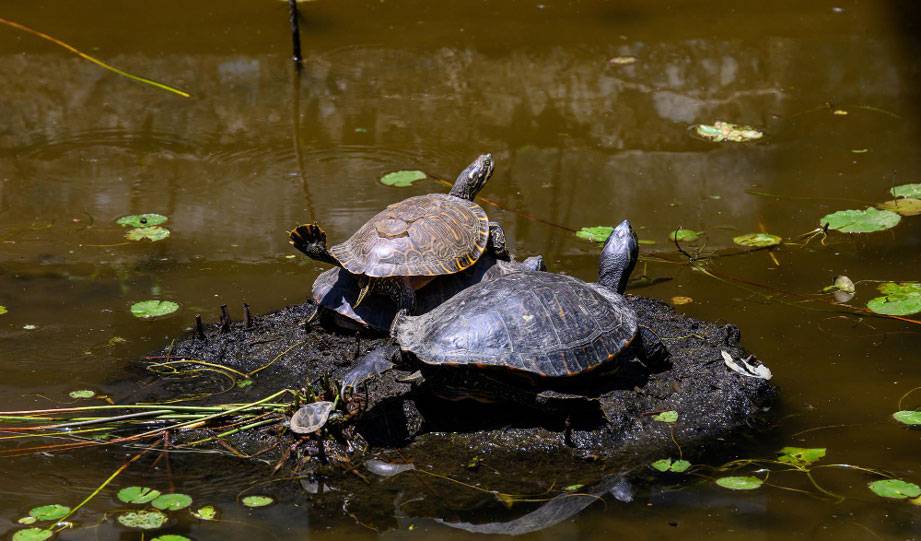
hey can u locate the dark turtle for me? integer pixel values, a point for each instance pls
(337, 290)
(544, 328)
(409, 243)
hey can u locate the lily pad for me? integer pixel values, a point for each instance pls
(27, 520)
(82, 394)
(905, 207)
(669, 416)
(3, 310)
(861, 221)
(32, 534)
(906, 190)
(53, 511)
(910, 418)
(153, 308)
(152, 234)
(141, 220)
(207, 512)
(740, 482)
(257, 501)
(138, 494)
(678, 300)
(402, 179)
(143, 519)
(801, 456)
(685, 235)
(895, 488)
(171, 537)
(666, 464)
(721, 131)
(757, 240)
(597, 233)
(900, 299)
(172, 502)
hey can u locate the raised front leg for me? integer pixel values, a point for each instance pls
(374, 363)
(496, 243)
(311, 240)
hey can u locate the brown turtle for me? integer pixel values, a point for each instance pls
(411, 242)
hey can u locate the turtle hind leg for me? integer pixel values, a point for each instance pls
(651, 349)
(310, 239)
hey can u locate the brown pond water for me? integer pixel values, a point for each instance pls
(578, 141)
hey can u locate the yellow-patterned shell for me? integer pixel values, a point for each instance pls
(427, 235)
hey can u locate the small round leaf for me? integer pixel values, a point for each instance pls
(861, 221)
(680, 466)
(757, 240)
(895, 488)
(138, 495)
(143, 519)
(685, 235)
(172, 502)
(152, 234)
(141, 220)
(32, 534)
(669, 416)
(663, 464)
(906, 207)
(910, 418)
(257, 501)
(598, 233)
(739, 482)
(53, 511)
(81, 394)
(171, 537)
(3, 310)
(402, 179)
(153, 308)
(906, 190)
(207, 512)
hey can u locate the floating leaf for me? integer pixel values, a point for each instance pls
(141, 220)
(900, 299)
(663, 464)
(685, 235)
(81, 394)
(143, 519)
(27, 520)
(32, 534)
(152, 234)
(153, 308)
(739, 482)
(171, 537)
(243, 383)
(598, 233)
(861, 221)
(573, 488)
(721, 131)
(910, 418)
(666, 464)
(53, 511)
(138, 494)
(801, 456)
(172, 502)
(401, 179)
(679, 300)
(257, 501)
(906, 190)
(207, 512)
(669, 416)
(622, 60)
(757, 240)
(906, 207)
(680, 466)
(3, 310)
(895, 488)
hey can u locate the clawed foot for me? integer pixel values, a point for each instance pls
(307, 238)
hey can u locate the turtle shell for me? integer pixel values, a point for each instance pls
(427, 235)
(539, 323)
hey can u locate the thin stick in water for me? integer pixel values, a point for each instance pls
(295, 33)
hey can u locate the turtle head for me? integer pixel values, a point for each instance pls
(618, 257)
(474, 177)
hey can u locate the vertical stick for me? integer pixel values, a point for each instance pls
(225, 318)
(295, 33)
(199, 328)
(247, 317)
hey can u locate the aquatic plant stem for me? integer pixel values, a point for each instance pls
(295, 33)
(104, 484)
(96, 61)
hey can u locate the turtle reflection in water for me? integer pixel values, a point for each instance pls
(411, 242)
(519, 336)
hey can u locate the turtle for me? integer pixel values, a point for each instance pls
(335, 291)
(523, 331)
(409, 243)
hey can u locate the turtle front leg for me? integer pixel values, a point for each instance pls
(651, 349)
(310, 239)
(497, 244)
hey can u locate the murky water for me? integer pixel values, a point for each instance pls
(578, 140)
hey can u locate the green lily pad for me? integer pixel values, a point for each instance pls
(82, 394)
(680, 466)
(721, 131)
(32, 534)
(53, 511)
(207, 512)
(143, 519)
(861, 221)
(574, 487)
(895, 488)
(27, 520)
(257, 501)
(141, 220)
(900, 299)
(171, 537)
(172, 502)
(3, 310)
(153, 308)
(138, 494)
(402, 179)
(906, 190)
(757, 240)
(666, 464)
(910, 418)
(685, 235)
(152, 234)
(801, 456)
(669, 416)
(739, 482)
(597, 233)
(905, 207)
(243, 383)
